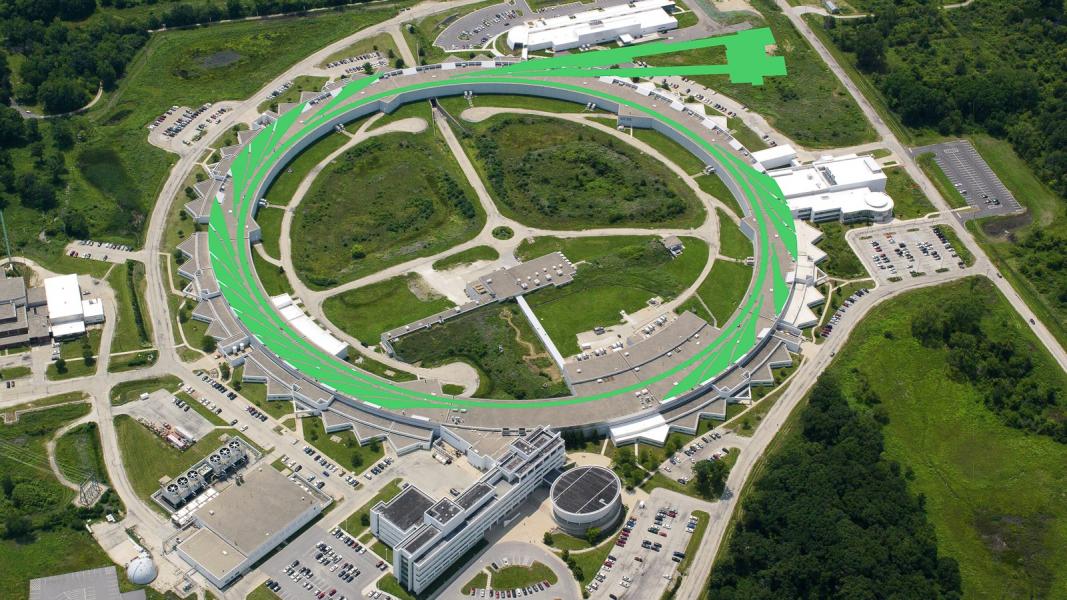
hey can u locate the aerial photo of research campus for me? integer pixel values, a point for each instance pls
(548, 299)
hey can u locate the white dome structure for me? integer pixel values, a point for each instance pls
(141, 570)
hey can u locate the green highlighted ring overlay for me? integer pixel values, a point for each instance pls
(257, 163)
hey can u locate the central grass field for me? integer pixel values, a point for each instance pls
(617, 273)
(558, 174)
(995, 494)
(368, 311)
(498, 342)
(390, 199)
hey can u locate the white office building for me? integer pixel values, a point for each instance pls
(65, 312)
(847, 188)
(428, 535)
(622, 23)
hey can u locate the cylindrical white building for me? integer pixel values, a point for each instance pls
(586, 497)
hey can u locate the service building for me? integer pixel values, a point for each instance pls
(622, 23)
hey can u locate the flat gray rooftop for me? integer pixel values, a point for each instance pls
(93, 584)
(407, 508)
(584, 489)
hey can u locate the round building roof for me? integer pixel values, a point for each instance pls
(585, 490)
(141, 570)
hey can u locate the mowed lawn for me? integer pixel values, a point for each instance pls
(995, 495)
(615, 273)
(909, 201)
(720, 293)
(147, 457)
(387, 200)
(732, 242)
(369, 311)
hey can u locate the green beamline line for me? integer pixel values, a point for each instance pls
(237, 277)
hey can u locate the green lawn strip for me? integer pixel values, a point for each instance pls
(672, 150)
(589, 562)
(273, 277)
(269, 220)
(302, 83)
(1027, 257)
(745, 135)
(382, 42)
(72, 349)
(763, 398)
(519, 576)
(616, 273)
(260, 592)
(15, 372)
(651, 457)
(347, 453)
(455, 105)
(732, 242)
(997, 511)
(498, 342)
(383, 551)
(841, 261)
(909, 202)
(204, 411)
(695, 538)
(368, 311)
(687, 18)
(78, 452)
(466, 257)
(378, 368)
(129, 391)
(133, 328)
(147, 457)
(433, 211)
(565, 541)
(712, 184)
(130, 362)
(964, 254)
(282, 189)
(478, 582)
(256, 393)
(46, 402)
(721, 291)
(353, 524)
(76, 365)
(531, 163)
(391, 586)
(194, 329)
(949, 192)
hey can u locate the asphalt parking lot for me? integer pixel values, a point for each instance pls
(968, 171)
(903, 252)
(310, 576)
(639, 570)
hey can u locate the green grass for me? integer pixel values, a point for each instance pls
(433, 210)
(556, 174)
(964, 254)
(347, 453)
(371, 365)
(147, 457)
(909, 202)
(517, 576)
(391, 586)
(503, 232)
(720, 293)
(591, 561)
(616, 273)
(129, 391)
(949, 192)
(15, 372)
(994, 494)
(130, 362)
(746, 136)
(45, 402)
(302, 83)
(695, 538)
(261, 593)
(204, 411)
(282, 189)
(671, 150)
(352, 523)
(455, 105)
(712, 184)
(72, 349)
(477, 582)
(466, 257)
(256, 393)
(272, 277)
(841, 261)
(1047, 213)
(128, 334)
(384, 552)
(499, 343)
(732, 242)
(269, 220)
(78, 452)
(369, 311)
(810, 105)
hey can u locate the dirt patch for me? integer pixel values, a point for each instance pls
(220, 59)
(1004, 228)
(1022, 542)
(422, 290)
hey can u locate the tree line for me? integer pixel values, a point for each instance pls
(830, 517)
(992, 66)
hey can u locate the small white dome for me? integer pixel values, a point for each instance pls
(141, 570)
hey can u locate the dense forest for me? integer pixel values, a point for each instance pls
(991, 66)
(831, 518)
(998, 364)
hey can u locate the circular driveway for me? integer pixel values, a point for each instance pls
(517, 553)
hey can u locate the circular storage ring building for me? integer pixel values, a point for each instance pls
(585, 497)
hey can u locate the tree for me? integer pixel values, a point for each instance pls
(710, 478)
(60, 95)
(364, 519)
(208, 344)
(367, 68)
(87, 355)
(592, 534)
(357, 460)
(17, 526)
(61, 365)
(547, 539)
(7, 484)
(35, 192)
(224, 371)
